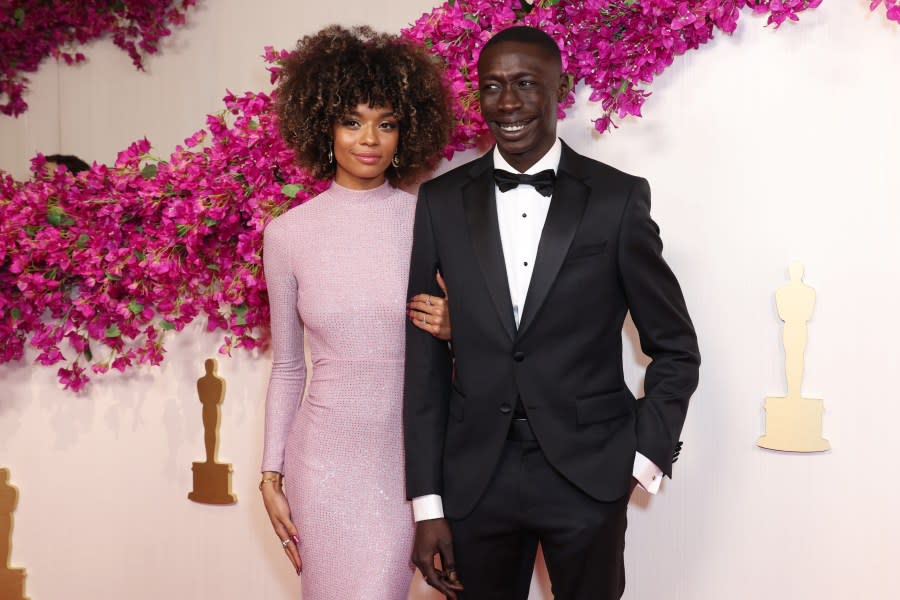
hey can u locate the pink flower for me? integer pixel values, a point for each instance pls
(116, 258)
(73, 378)
(37, 30)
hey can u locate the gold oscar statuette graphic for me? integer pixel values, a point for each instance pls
(12, 581)
(794, 423)
(212, 480)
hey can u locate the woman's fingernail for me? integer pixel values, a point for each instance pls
(296, 539)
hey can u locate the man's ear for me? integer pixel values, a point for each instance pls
(566, 83)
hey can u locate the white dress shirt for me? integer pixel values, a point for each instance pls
(521, 213)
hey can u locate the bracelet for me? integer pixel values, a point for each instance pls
(269, 480)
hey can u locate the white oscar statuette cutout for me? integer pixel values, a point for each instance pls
(794, 423)
(12, 581)
(212, 480)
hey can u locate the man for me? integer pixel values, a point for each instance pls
(528, 434)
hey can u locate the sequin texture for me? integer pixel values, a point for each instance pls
(336, 269)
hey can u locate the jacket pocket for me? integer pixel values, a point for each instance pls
(587, 250)
(597, 408)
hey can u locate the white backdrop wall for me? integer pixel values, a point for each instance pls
(761, 148)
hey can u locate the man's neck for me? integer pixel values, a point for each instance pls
(523, 163)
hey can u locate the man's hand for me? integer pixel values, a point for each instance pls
(433, 537)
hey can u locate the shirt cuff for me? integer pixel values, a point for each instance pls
(646, 473)
(427, 507)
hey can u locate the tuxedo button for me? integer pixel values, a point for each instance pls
(519, 356)
(505, 408)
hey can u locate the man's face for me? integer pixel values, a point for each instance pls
(520, 88)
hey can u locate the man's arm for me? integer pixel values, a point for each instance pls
(427, 374)
(425, 403)
(667, 335)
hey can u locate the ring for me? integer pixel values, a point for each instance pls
(428, 300)
(284, 543)
(425, 320)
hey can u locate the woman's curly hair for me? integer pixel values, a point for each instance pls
(333, 71)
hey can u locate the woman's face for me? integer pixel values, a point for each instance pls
(365, 141)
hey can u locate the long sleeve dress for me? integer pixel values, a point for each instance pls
(337, 268)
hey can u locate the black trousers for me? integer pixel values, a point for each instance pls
(529, 502)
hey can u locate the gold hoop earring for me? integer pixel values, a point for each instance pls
(396, 161)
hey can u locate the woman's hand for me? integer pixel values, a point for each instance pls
(431, 313)
(280, 515)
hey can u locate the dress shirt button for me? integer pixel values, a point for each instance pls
(524, 215)
(519, 356)
(505, 408)
(525, 263)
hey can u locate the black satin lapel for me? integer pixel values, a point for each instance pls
(481, 215)
(566, 209)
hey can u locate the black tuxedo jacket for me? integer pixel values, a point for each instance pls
(599, 256)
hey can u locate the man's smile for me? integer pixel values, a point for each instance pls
(513, 131)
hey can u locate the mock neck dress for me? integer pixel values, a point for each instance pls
(336, 270)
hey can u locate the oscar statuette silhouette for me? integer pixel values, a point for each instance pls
(212, 480)
(794, 423)
(12, 581)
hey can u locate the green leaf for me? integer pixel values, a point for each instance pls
(291, 189)
(15, 313)
(112, 277)
(31, 230)
(19, 16)
(240, 312)
(82, 240)
(149, 171)
(88, 354)
(212, 267)
(167, 325)
(112, 331)
(135, 307)
(139, 255)
(210, 222)
(182, 229)
(58, 217)
(253, 124)
(623, 87)
(471, 17)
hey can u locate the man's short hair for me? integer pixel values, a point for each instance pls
(524, 34)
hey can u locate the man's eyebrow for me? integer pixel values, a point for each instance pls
(516, 75)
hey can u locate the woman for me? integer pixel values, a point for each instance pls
(369, 111)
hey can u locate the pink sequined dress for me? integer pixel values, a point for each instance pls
(337, 267)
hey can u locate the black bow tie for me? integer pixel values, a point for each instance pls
(542, 182)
